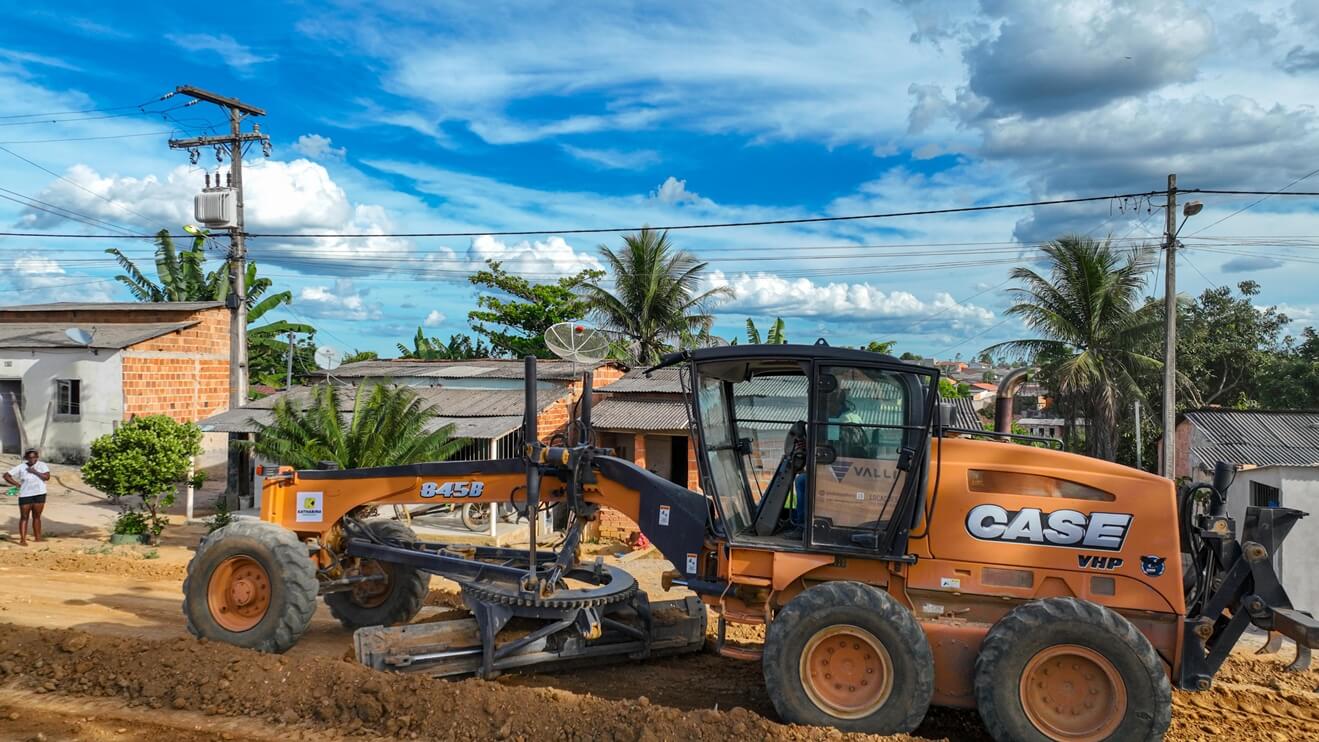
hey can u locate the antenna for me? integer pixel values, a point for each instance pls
(577, 343)
(79, 336)
(328, 358)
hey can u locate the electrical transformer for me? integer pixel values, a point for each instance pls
(217, 208)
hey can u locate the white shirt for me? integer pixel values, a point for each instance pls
(31, 484)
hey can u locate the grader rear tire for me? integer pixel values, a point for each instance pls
(397, 600)
(251, 584)
(1070, 670)
(847, 655)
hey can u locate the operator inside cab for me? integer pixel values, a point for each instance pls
(843, 435)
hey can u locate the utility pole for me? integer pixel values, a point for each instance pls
(288, 372)
(1140, 450)
(232, 144)
(1169, 464)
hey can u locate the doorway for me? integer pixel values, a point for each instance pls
(11, 402)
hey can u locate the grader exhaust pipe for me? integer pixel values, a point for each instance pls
(1007, 389)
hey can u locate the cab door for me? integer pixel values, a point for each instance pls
(869, 428)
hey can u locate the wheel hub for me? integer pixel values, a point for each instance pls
(238, 593)
(1070, 692)
(846, 671)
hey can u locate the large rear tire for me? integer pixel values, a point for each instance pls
(848, 655)
(1068, 669)
(251, 584)
(396, 600)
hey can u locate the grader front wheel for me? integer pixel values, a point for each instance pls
(250, 584)
(847, 655)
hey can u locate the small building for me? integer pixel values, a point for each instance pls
(1277, 453)
(1049, 427)
(71, 372)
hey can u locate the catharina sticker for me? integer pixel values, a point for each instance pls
(1066, 528)
(311, 507)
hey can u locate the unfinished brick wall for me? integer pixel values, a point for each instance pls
(184, 374)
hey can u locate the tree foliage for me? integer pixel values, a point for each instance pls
(147, 457)
(1093, 331)
(181, 276)
(777, 333)
(656, 297)
(387, 425)
(459, 348)
(515, 318)
(950, 389)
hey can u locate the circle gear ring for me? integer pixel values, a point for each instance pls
(619, 588)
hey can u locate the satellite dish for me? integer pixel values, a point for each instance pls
(79, 335)
(714, 341)
(328, 358)
(577, 343)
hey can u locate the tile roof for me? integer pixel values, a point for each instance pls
(116, 306)
(1255, 437)
(619, 413)
(44, 335)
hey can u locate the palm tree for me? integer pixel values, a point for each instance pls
(387, 425)
(459, 348)
(1088, 312)
(656, 298)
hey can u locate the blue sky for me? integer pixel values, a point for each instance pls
(475, 117)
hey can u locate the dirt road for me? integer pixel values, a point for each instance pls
(125, 604)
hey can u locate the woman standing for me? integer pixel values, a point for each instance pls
(30, 478)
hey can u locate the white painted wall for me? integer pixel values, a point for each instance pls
(68, 439)
(1298, 559)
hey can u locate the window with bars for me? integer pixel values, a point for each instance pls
(68, 397)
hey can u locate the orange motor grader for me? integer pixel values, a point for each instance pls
(896, 562)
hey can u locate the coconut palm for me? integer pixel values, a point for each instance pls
(387, 425)
(1092, 323)
(656, 297)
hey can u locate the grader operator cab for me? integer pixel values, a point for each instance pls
(895, 561)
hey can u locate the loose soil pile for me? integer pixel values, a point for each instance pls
(133, 562)
(219, 680)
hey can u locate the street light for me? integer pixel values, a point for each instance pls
(1190, 209)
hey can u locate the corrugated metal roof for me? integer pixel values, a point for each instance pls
(1255, 437)
(490, 368)
(964, 413)
(661, 381)
(446, 401)
(116, 306)
(633, 414)
(42, 335)
(251, 420)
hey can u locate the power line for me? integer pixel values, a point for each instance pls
(86, 139)
(1266, 196)
(90, 110)
(57, 211)
(73, 183)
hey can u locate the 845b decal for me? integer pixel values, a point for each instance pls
(452, 489)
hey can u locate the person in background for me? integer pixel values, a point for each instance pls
(30, 478)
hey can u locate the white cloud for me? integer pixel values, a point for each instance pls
(344, 301)
(536, 259)
(434, 319)
(38, 279)
(316, 146)
(615, 159)
(674, 192)
(238, 56)
(768, 294)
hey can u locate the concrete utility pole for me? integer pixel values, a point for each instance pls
(233, 145)
(1140, 450)
(1169, 464)
(288, 371)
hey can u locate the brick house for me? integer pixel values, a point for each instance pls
(71, 372)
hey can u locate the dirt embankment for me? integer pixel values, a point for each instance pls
(310, 693)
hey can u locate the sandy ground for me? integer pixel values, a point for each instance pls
(95, 649)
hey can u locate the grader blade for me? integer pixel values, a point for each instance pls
(1302, 661)
(454, 647)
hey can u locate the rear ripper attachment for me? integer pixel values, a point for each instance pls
(530, 607)
(1233, 584)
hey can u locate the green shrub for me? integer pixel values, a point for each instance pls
(147, 457)
(131, 523)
